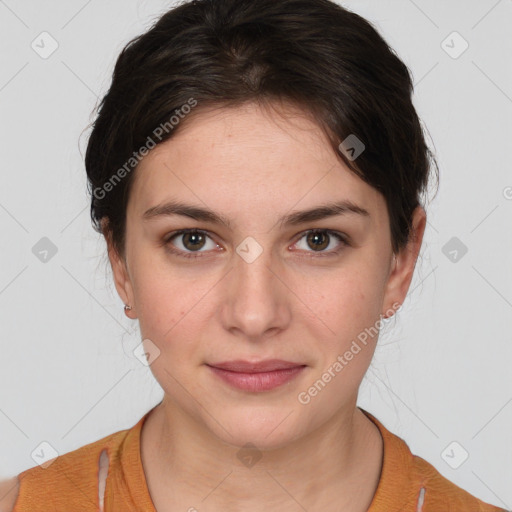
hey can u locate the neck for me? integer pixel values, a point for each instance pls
(335, 467)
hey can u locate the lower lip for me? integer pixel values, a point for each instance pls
(263, 381)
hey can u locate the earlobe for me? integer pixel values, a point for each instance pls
(121, 277)
(122, 282)
(390, 311)
(402, 269)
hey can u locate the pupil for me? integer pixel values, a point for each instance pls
(194, 238)
(316, 238)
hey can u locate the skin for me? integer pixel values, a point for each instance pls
(254, 166)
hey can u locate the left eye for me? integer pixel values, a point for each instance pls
(320, 239)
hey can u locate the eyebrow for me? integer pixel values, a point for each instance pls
(199, 213)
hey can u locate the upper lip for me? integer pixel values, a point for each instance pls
(268, 365)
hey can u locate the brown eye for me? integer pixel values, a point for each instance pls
(318, 240)
(193, 241)
(189, 242)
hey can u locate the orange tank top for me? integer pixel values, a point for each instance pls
(81, 479)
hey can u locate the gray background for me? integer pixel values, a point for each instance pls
(441, 372)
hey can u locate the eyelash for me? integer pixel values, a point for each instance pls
(333, 252)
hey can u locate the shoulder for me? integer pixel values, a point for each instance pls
(8, 493)
(66, 481)
(412, 483)
(441, 493)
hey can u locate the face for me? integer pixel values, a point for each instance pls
(259, 279)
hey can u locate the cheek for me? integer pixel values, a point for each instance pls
(162, 301)
(172, 305)
(345, 301)
(350, 306)
(168, 318)
(351, 309)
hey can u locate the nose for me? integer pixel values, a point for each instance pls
(256, 297)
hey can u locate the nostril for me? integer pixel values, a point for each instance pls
(102, 476)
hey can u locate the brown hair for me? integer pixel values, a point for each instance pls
(315, 54)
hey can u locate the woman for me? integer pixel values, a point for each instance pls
(257, 169)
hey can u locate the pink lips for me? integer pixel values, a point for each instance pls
(260, 376)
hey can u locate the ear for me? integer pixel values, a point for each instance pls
(120, 272)
(402, 267)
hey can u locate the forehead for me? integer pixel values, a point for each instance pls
(230, 137)
(248, 159)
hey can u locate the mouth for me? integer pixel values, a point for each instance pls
(256, 376)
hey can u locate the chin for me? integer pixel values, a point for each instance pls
(267, 428)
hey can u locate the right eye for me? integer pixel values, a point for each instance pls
(191, 241)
